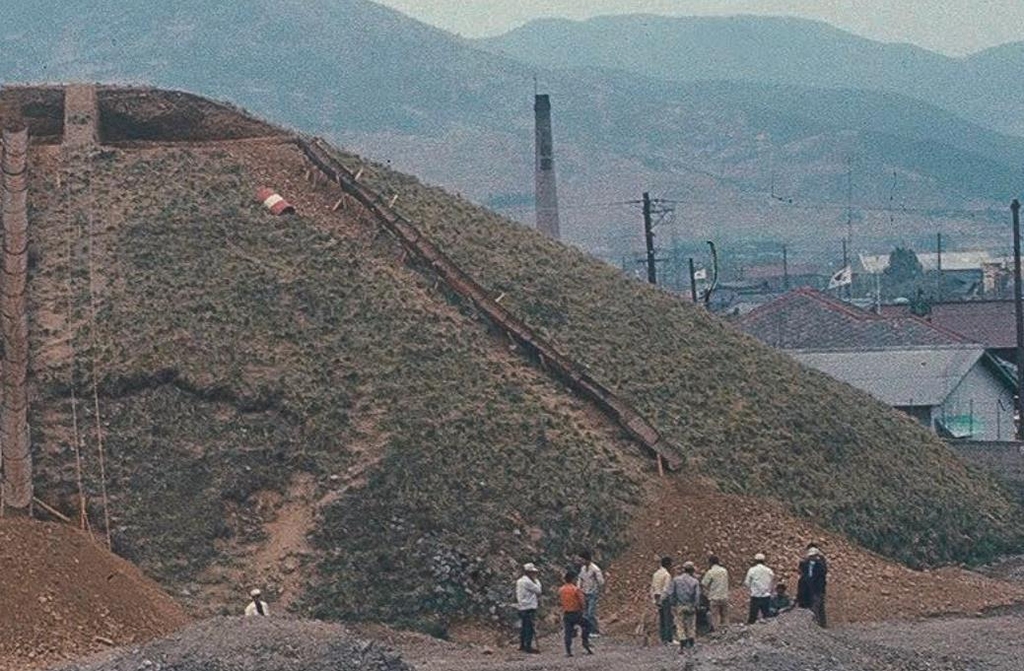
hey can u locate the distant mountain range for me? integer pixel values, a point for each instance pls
(747, 159)
(984, 88)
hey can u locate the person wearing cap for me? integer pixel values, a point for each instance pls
(528, 590)
(814, 575)
(759, 581)
(686, 595)
(591, 581)
(257, 606)
(715, 583)
(661, 583)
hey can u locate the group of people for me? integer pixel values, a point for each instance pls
(578, 596)
(687, 595)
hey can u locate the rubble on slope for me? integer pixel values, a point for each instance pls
(252, 644)
(691, 520)
(64, 595)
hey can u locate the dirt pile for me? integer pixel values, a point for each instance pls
(64, 596)
(252, 644)
(690, 520)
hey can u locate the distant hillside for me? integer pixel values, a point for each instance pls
(430, 103)
(290, 402)
(791, 51)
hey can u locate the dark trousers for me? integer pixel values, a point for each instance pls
(818, 608)
(666, 621)
(571, 621)
(758, 604)
(527, 631)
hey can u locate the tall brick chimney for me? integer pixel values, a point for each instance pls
(546, 191)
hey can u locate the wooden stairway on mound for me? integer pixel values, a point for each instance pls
(537, 348)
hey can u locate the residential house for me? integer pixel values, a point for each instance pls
(957, 390)
(941, 378)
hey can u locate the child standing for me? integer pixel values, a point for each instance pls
(573, 606)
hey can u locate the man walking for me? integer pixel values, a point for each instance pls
(815, 578)
(716, 587)
(686, 594)
(661, 584)
(573, 605)
(759, 581)
(528, 592)
(591, 581)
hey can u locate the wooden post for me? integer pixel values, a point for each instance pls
(16, 489)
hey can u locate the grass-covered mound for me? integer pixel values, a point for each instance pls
(235, 349)
(750, 417)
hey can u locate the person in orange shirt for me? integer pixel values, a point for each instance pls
(573, 606)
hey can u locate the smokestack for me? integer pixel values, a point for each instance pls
(547, 193)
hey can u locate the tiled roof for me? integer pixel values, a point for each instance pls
(908, 376)
(808, 319)
(991, 323)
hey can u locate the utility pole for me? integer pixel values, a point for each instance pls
(938, 265)
(846, 262)
(693, 282)
(785, 268)
(652, 273)
(1015, 208)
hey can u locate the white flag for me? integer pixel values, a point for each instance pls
(701, 274)
(842, 278)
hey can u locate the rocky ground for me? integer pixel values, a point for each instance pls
(251, 644)
(790, 643)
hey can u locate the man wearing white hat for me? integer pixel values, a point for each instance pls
(759, 581)
(257, 606)
(528, 591)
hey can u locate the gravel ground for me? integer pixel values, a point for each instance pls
(790, 643)
(251, 644)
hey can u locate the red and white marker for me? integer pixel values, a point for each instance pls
(274, 202)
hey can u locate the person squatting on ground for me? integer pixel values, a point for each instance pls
(686, 595)
(257, 606)
(716, 587)
(780, 601)
(759, 581)
(814, 575)
(661, 584)
(528, 591)
(573, 606)
(591, 581)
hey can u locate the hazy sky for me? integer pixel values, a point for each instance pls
(951, 26)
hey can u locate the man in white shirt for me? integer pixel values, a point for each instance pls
(661, 586)
(257, 606)
(591, 582)
(528, 591)
(759, 581)
(715, 584)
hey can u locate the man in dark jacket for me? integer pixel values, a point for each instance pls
(813, 580)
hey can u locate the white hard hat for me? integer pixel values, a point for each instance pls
(759, 556)
(529, 568)
(812, 551)
(255, 592)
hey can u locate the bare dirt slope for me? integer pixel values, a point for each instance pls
(64, 596)
(690, 520)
